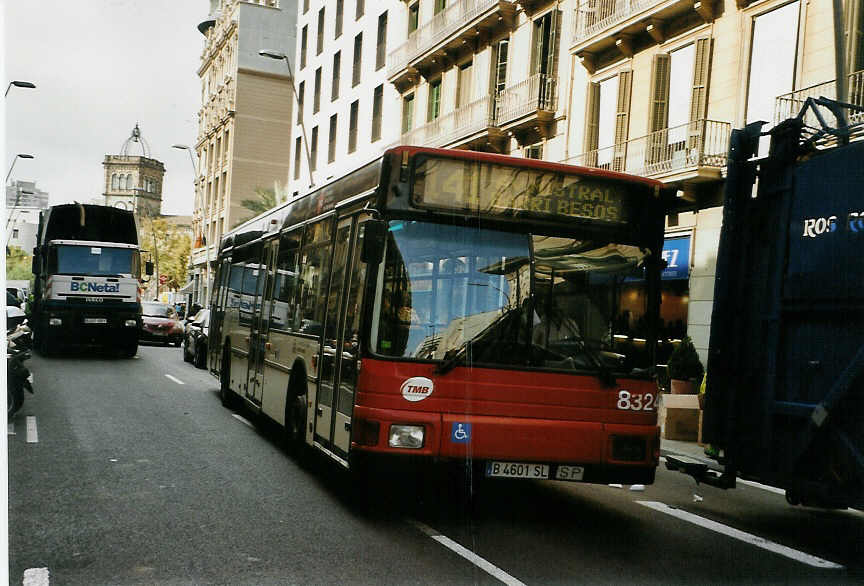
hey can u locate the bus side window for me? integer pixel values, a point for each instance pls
(286, 313)
(314, 273)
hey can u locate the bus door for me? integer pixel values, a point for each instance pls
(331, 350)
(260, 326)
(340, 376)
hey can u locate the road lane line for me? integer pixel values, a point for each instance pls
(243, 419)
(794, 554)
(36, 577)
(32, 432)
(175, 379)
(469, 555)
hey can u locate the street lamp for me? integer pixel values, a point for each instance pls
(17, 83)
(187, 148)
(15, 160)
(279, 56)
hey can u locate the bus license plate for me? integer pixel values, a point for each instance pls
(95, 320)
(516, 470)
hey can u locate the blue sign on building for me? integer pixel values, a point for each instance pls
(676, 253)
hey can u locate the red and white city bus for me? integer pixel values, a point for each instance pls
(453, 305)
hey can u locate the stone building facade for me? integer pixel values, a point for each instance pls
(244, 128)
(134, 182)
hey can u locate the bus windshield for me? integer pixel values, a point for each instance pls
(98, 261)
(489, 297)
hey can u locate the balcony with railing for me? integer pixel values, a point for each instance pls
(788, 105)
(600, 26)
(471, 123)
(692, 152)
(447, 31)
(529, 102)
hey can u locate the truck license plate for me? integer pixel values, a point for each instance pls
(516, 470)
(95, 320)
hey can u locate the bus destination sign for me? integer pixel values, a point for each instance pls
(500, 190)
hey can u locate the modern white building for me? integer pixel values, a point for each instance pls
(244, 133)
(345, 115)
(24, 202)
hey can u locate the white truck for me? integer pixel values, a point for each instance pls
(86, 279)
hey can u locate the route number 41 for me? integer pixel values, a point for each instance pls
(632, 402)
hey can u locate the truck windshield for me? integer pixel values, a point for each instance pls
(486, 297)
(94, 261)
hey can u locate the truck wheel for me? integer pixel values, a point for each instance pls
(46, 348)
(130, 350)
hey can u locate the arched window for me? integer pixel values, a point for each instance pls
(114, 181)
(128, 181)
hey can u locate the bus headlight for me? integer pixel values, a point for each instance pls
(55, 321)
(406, 436)
(130, 323)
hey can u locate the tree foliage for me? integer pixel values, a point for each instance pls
(18, 264)
(169, 247)
(265, 199)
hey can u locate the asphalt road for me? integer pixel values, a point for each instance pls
(135, 478)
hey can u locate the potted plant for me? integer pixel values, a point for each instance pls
(685, 369)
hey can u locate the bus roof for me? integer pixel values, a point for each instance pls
(512, 161)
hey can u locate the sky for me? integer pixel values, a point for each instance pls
(100, 67)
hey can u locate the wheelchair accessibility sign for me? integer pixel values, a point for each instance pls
(460, 433)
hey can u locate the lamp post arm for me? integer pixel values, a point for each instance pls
(302, 125)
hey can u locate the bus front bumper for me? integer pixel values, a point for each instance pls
(604, 452)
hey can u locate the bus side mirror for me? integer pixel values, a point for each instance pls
(374, 238)
(148, 268)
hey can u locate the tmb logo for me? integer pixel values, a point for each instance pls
(417, 388)
(95, 287)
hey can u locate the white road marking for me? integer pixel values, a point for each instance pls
(175, 379)
(469, 555)
(32, 432)
(243, 419)
(11, 428)
(760, 542)
(36, 577)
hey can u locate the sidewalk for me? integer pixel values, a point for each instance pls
(689, 449)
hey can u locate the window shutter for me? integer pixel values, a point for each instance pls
(701, 73)
(622, 118)
(592, 124)
(659, 117)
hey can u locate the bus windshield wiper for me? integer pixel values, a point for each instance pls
(452, 358)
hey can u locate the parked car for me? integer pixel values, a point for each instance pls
(159, 323)
(195, 340)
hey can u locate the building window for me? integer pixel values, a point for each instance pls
(407, 113)
(381, 46)
(361, 7)
(544, 50)
(305, 6)
(316, 100)
(464, 84)
(334, 84)
(297, 146)
(331, 146)
(304, 39)
(340, 9)
(314, 149)
(352, 126)
(434, 106)
(114, 181)
(413, 17)
(301, 97)
(440, 5)
(320, 38)
(772, 63)
(535, 151)
(377, 99)
(14, 232)
(358, 60)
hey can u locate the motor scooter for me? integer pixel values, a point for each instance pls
(19, 341)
